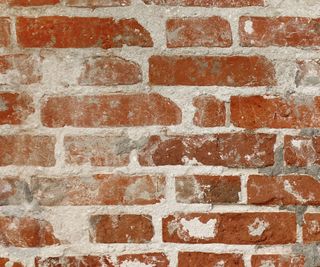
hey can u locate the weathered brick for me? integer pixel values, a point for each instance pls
(311, 228)
(13, 191)
(208, 189)
(211, 70)
(26, 232)
(230, 228)
(277, 261)
(19, 69)
(146, 259)
(98, 150)
(192, 32)
(110, 71)
(301, 151)
(81, 32)
(308, 73)
(226, 149)
(110, 110)
(98, 3)
(283, 190)
(37, 150)
(73, 261)
(32, 2)
(15, 107)
(125, 228)
(210, 111)
(279, 31)
(207, 3)
(275, 112)
(5, 262)
(102, 189)
(5, 32)
(191, 259)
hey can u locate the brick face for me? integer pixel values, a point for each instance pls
(193, 32)
(110, 110)
(230, 228)
(232, 71)
(78, 32)
(279, 31)
(159, 133)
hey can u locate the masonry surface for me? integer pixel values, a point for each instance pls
(159, 133)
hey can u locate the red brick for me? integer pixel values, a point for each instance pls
(192, 259)
(15, 107)
(210, 111)
(102, 189)
(98, 3)
(279, 31)
(283, 190)
(308, 73)
(26, 232)
(230, 228)
(191, 32)
(125, 228)
(226, 149)
(32, 2)
(207, 3)
(110, 110)
(98, 150)
(81, 32)
(27, 150)
(301, 151)
(12, 191)
(211, 70)
(147, 259)
(208, 189)
(311, 228)
(5, 262)
(277, 261)
(19, 69)
(110, 71)
(73, 261)
(275, 112)
(4, 32)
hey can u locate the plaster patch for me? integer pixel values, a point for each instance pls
(268, 263)
(258, 227)
(134, 264)
(198, 229)
(248, 27)
(288, 188)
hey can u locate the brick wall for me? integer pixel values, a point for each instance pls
(159, 133)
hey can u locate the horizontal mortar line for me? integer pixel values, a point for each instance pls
(168, 11)
(273, 53)
(120, 249)
(161, 209)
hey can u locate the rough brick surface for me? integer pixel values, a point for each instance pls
(26, 232)
(231, 150)
(125, 228)
(102, 189)
(210, 112)
(110, 110)
(208, 189)
(209, 32)
(277, 261)
(230, 228)
(283, 190)
(222, 71)
(279, 31)
(159, 133)
(65, 32)
(190, 259)
(27, 150)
